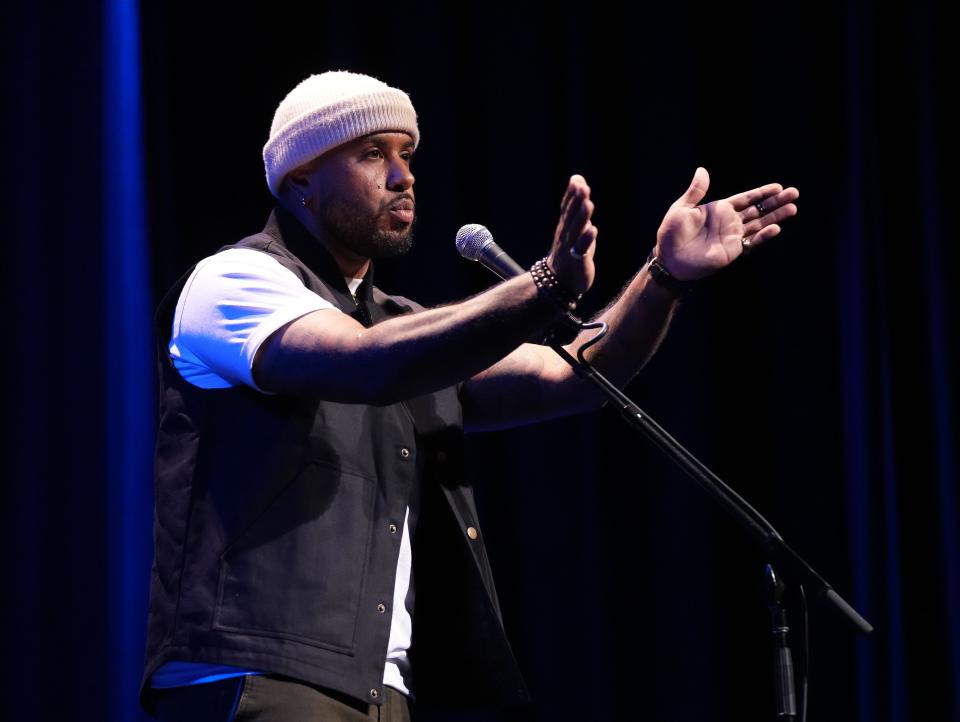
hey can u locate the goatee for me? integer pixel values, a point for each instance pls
(358, 231)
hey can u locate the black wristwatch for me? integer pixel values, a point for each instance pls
(662, 276)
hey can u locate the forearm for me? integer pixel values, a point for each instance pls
(638, 321)
(404, 356)
(533, 383)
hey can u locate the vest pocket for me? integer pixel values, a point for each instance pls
(298, 570)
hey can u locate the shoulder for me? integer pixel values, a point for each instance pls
(232, 259)
(270, 244)
(263, 241)
(240, 280)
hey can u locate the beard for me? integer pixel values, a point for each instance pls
(353, 226)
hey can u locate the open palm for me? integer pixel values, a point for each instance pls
(695, 240)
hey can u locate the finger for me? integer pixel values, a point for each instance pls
(576, 185)
(586, 242)
(571, 220)
(742, 201)
(697, 190)
(763, 235)
(768, 204)
(568, 195)
(780, 214)
(578, 215)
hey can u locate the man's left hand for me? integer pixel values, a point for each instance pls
(696, 240)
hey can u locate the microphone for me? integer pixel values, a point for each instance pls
(476, 243)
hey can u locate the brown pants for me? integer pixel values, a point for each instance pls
(257, 698)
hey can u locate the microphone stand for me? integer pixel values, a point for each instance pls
(757, 527)
(786, 693)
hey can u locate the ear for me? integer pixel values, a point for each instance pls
(298, 181)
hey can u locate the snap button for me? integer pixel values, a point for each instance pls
(381, 607)
(374, 693)
(472, 533)
(392, 528)
(405, 452)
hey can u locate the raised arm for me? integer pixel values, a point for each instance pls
(694, 240)
(329, 354)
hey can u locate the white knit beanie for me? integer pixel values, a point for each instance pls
(327, 110)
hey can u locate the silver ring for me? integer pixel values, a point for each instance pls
(746, 245)
(759, 205)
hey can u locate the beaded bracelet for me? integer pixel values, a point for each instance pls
(549, 286)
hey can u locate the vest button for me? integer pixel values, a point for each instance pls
(472, 533)
(405, 452)
(441, 456)
(374, 693)
(381, 607)
(392, 528)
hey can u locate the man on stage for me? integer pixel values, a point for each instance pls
(317, 551)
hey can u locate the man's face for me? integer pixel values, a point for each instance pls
(362, 195)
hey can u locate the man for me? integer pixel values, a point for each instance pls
(318, 554)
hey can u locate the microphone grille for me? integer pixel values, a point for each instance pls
(471, 239)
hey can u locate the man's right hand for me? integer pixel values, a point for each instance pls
(574, 243)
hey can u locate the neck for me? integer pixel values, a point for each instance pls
(351, 265)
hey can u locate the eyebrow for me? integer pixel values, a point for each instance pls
(379, 138)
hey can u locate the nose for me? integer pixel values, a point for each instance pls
(399, 177)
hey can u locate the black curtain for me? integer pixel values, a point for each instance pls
(815, 376)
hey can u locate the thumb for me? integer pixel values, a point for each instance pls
(697, 190)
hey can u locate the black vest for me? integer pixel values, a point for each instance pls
(278, 518)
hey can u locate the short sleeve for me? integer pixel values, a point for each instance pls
(230, 305)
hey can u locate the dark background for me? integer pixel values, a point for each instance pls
(815, 376)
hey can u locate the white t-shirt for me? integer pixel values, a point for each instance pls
(232, 302)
